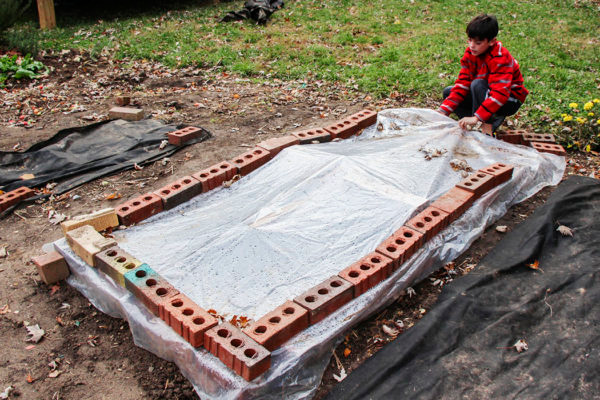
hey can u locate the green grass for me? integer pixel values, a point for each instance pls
(382, 46)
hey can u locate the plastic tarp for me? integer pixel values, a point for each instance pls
(463, 348)
(303, 217)
(75, 156)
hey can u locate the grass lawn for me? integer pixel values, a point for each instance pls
(379, 47)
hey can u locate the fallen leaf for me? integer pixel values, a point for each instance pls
(6, 393)
(30, 347)
(347, 352)
(521, 345)
(234, 321)
(410, 292)
(137, 167)
(534, 265)
(502, 228)
(163, 144)
(5, 309)
(54, 374)
(390, 331)
(60, 321)
(36, 333)
(56, 218)
(236, 96)
(54, 289)
(29, 378)
(26, 177)
(243, 321)
(565, 230)
(341, 376)
(113, 196)
(232, 180)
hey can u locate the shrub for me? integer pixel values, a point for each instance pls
(11, 10)
(20, 67)
(581, 125)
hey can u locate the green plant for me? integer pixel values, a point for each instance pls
(15, 67)
(11, 10)
(581, 126)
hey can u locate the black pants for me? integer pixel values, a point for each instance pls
(478, 93)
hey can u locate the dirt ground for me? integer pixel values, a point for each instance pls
(87, 354)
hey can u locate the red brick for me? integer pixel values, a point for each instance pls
(477, 183)
(178, 192)
(183, 135)
(308, 136)
(502, 172)
(122, 101)
(325, 298)
(139, 208)
(155, 292)
(116, 262)
(367, 272)
(342, 129)
(275, 145)
(429, 222)
(279, 325)
(13, 197)
(52, 267)
(510, 137)
(401, 245)
(237, 351)
(549, 148)
(364, 118)
(251, 160)
(188, 319)
(136, 279)
(214, 176)
(538, 137)
(455, 202)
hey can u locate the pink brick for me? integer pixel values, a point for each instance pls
(278, 326)
(139, 208)
(342, 129)
(183, 135)
(214, 176)
(308, 136)
(401, 245)
(367, 272)
(325, 298)
(364, 118)
(251, 160)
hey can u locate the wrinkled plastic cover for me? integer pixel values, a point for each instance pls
(303, 217)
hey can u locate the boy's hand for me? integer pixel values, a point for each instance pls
(467, 122)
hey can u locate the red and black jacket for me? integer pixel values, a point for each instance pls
(499, 69)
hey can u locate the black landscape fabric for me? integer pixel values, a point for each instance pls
(75, 156)
(464, 346)
(257, 10)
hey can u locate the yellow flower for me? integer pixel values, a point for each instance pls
(568, 118)
(588, 148)
(596, 100)
(590, 114)
(573, 105)
(598, 122)
(588, 106)
(580, 120)
(563, 115)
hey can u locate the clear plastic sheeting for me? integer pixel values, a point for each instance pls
(303, 217)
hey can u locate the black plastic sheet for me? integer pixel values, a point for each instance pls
(75, 156)
(257, 10)
(464, 347)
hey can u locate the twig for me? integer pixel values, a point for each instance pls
(20, 216)
(337, 360)
(549, 306)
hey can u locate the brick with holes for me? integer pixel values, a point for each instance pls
(86, 243)
(502, 172)
(401, 245)
(183, 135)
(367, 272)
(309, 136)
(538, 137)
(188, 319)
(278, 326)
(275, 145)
(151, 289)
(455, 202)
(552, 148)
(509, 137)
(325, 298)
(251, 160)
(178, 192)
(116, 262)
(478, 183)
(13, 197)
(139, 208)
(214, 176)
(429, 222)
(342, 129)
(364, 118)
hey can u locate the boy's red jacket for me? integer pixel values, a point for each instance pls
(499, 69)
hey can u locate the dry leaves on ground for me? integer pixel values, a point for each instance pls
(565, 230)
(35, 332)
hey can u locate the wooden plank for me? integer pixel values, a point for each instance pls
(46, 13)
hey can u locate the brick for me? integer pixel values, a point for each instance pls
(86, 243)
(308, 136)
(151, 289)
(183, 135)
(510, 137)
(502, 172)
(122, 101)
(139, 208)
(429, 222)
(549, 148)
(342, 129)
(251, 160)
(116, 262)
(128, 113)
(325, 298)
(237, 351)
(188, 319)
(478, 183)
(275, 145)
(214, 176)
(52, 267)
(455, 202)
(367, 272)
(278, 326)
(13, 197)
(538, 137)
(178, 192)
(364, 118)
(401, 245)
(100, 220)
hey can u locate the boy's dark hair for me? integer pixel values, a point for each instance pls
(483, 27)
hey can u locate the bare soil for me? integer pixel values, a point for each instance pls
(94, 353)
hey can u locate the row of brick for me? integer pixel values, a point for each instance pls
(183, 189)
(542, 142)
(13, 197)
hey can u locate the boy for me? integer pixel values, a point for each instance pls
(489, 86)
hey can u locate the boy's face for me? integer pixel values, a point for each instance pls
(480, 46)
